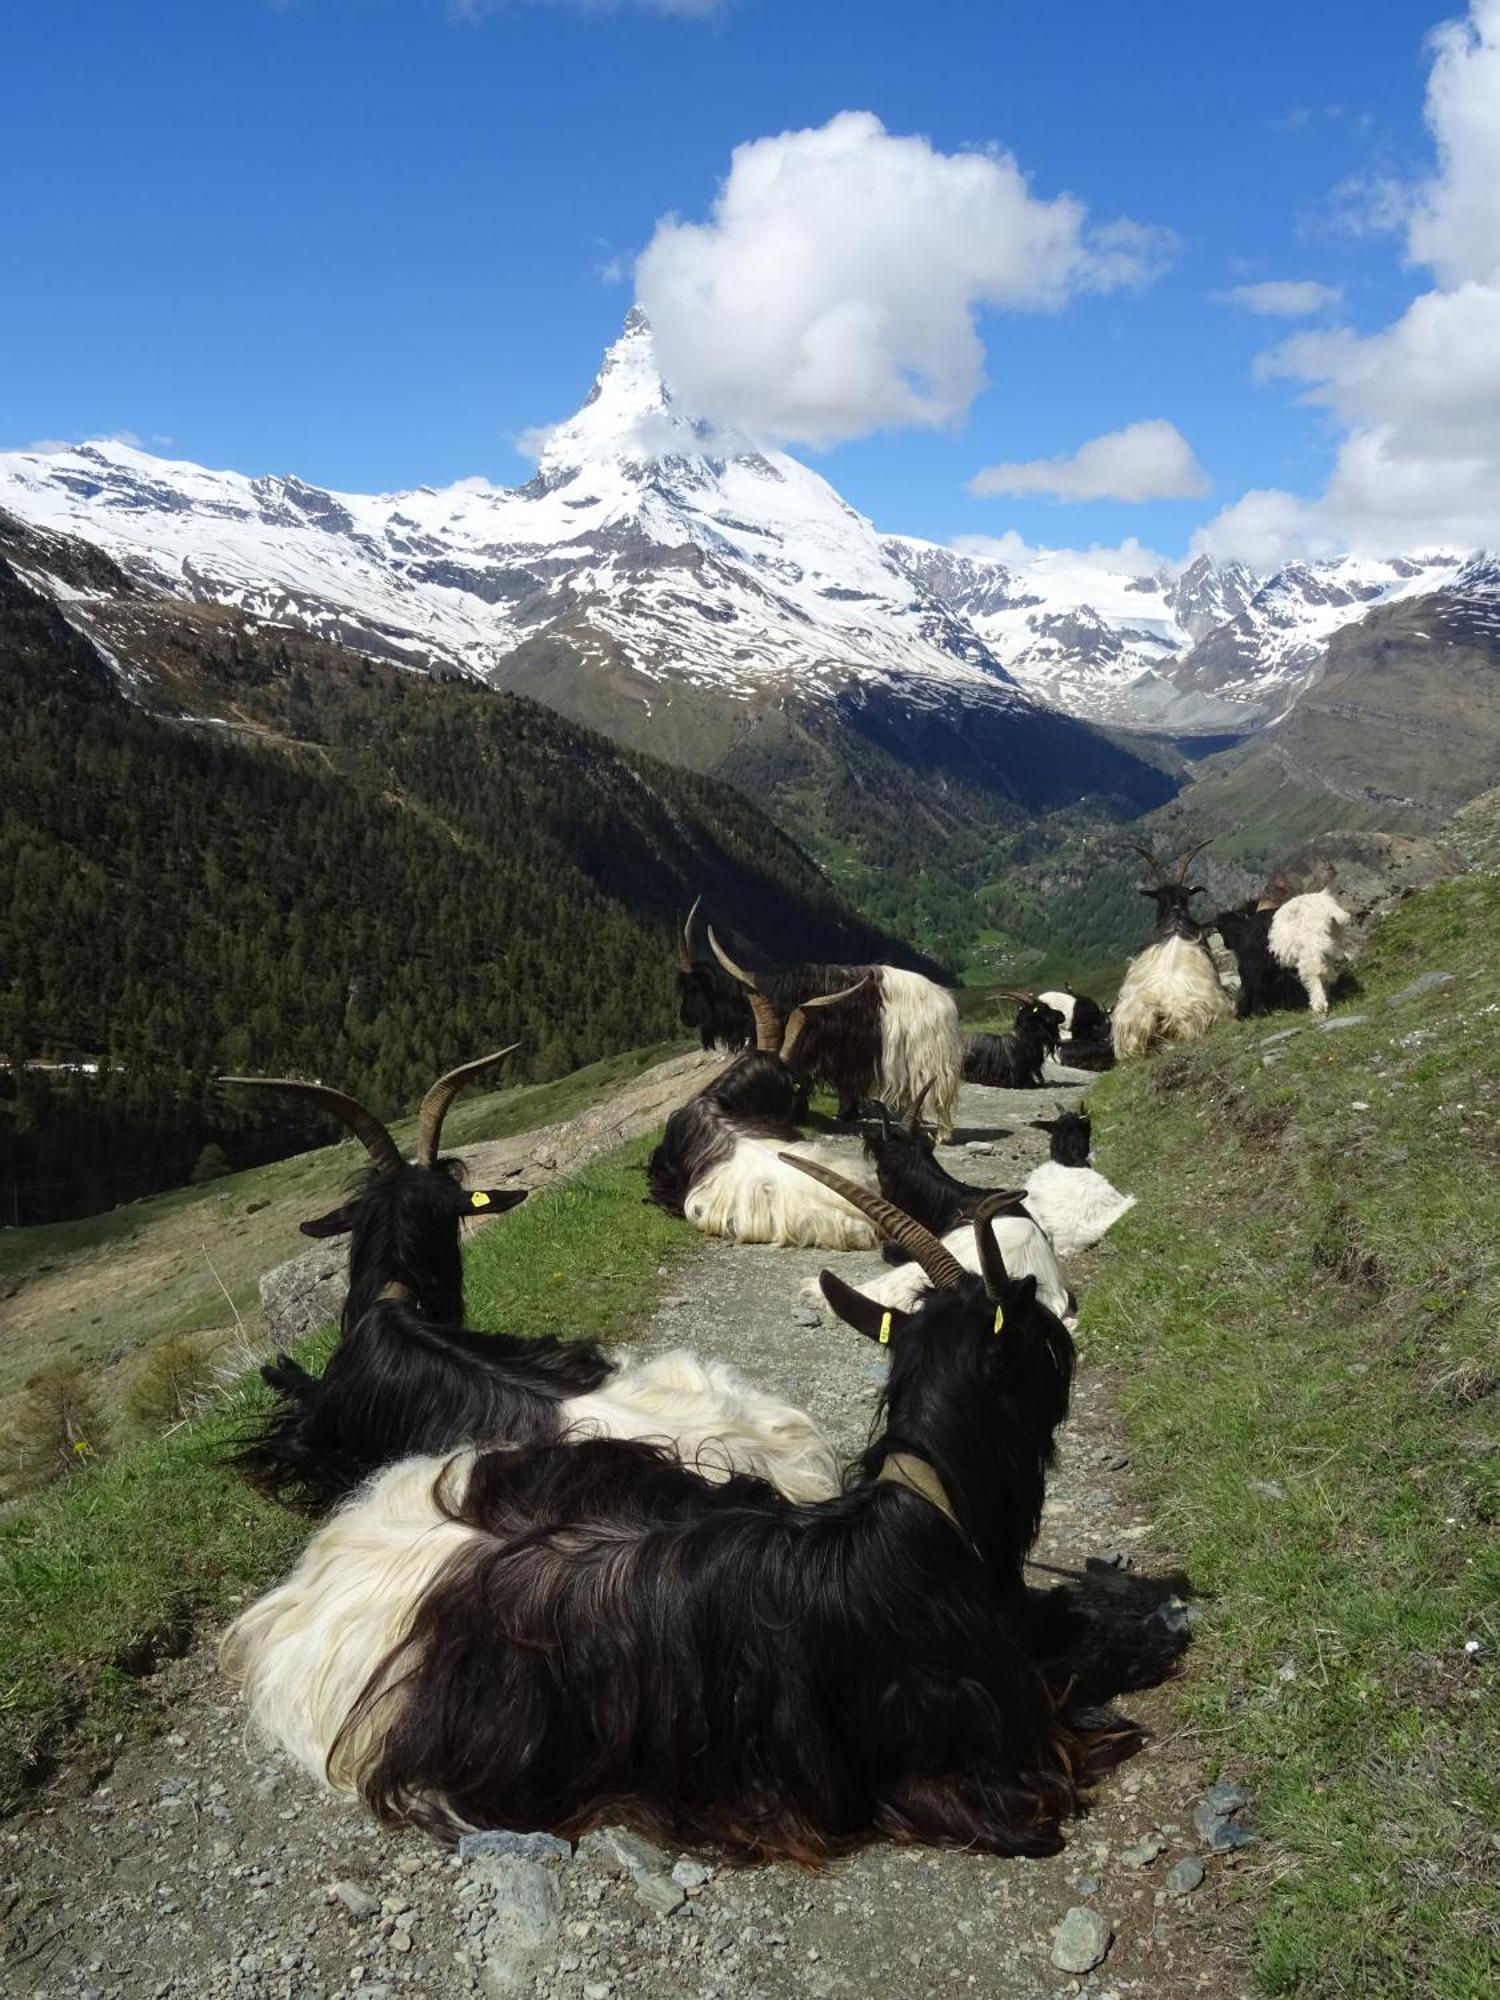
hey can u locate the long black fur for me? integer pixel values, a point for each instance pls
(721, 1666)
(755, 1097)
(1266, 986)
(910, 1174)
(839, 1046)
(1013, 1061)
(715, 1007)
(1089, 1019)
(406, 1375)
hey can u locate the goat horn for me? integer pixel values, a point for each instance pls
(435, 1104)
(770, 1035)
(934, 1256)
(1189, 858)
(797, 1020)
(991, 1263)
(1149, 856)
(365, 1126)
(685, 942)
(914, 1121)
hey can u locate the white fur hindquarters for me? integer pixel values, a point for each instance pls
(1171, 994)
(303, 1652)
(753, 1197)
(1063, 1003)
(1307, 938)
(920, 1043)
(1023, 1245)
(714, 1420)
(1074, 1205)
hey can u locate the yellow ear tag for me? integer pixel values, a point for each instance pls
(999, 1318)
(885, 1329)
(479, 1199)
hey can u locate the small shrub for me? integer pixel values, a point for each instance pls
(212, 1165)
(171, 1382)
(55, 1427)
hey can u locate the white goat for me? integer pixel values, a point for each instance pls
(1307, 938)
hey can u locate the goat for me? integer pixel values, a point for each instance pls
(531, 1637)
(1171, 991)
(1073, 1203)
(1013, 1061)
(1266, 987)
(408, 1376)
(901, 1031)
(719, 1164)
(910, 1176)
(1306, 938)
(710, 1001)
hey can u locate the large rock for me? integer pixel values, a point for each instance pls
(304, 1293)
(1369, 873)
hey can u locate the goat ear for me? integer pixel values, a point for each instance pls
(865, 1315)
(493, 1201)
(337, 1222)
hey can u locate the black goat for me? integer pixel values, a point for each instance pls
(911, 1177)
(711, 1002)
(1266, 986)
(1071, 1137)
(1013, 1061)
(555, 1639)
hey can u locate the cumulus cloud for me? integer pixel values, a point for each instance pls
(1128, 558)
(1417, 404)
(835, 287)
(1283, 298)
(1145, 461)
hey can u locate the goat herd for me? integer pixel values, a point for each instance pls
(555, 1587)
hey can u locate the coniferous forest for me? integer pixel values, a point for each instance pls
(264, 853)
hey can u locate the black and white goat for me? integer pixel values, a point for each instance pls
(721, 1163)
(711, 1002)
(1013, 1061)
(1266, 987)
(912, 1178)
(547, 1638)
(407, 1376)
(898, 1033)
(1171, 991)
(1083, 1019)
(1307, 938)
(1072, 1202)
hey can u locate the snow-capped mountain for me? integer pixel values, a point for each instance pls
(644, 536)
(1211, 647)
(656, 563)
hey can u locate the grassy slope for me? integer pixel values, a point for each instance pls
(125, 1561)
(111, 1283)
(1301, 1316)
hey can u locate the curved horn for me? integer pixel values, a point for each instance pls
(797, 1020)
(685, 942)
(1189, 858)
(934, 1256)
(365, 1126)
(435, 1104)
(991, 1263)
(770, 1036)
(1149, 856)
(914, 1119)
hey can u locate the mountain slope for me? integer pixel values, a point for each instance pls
(276, 855)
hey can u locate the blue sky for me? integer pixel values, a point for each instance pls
(362, 240)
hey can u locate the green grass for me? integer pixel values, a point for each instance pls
(127, 1560)
(1301, 1316)
(100, 1290)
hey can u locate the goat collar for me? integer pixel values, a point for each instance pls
(904, 1468)
(403, 1295)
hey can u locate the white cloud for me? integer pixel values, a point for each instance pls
(1145, 461)
(1283, 298)
(1418, 403)
(834, 289)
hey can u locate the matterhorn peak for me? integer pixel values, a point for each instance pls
(627, 415)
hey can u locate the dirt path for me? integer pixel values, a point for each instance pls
(197, 1867)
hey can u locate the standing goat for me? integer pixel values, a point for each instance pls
(721, 1161)
(1266, 987)
(1171, 991)
(711, 1002)
(555, 1639)
(900, 1031)
(1307, 938)
(408, 1376)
